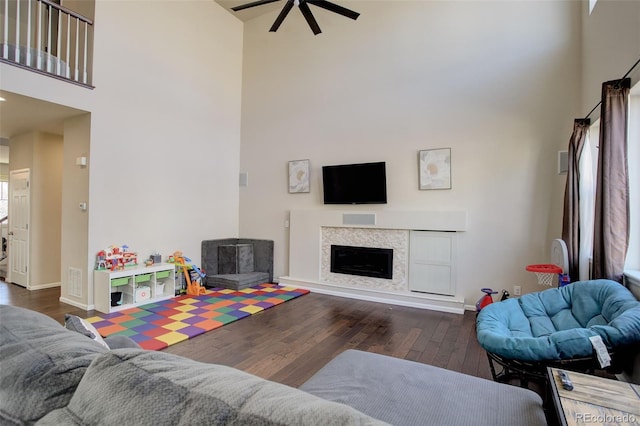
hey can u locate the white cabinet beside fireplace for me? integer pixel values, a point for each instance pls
(431, 262)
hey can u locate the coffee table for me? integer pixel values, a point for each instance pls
(594, 400)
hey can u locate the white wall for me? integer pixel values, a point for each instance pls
(611, 45)
(46, 210)
(165, 130)
(41, 153)
(492, 80)
(75, 222)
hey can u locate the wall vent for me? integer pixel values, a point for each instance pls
(74, 279)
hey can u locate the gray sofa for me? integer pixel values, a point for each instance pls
(50, 375)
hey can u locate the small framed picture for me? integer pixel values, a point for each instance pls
(434, 168)
(298, 176)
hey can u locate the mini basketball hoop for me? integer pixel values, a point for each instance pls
(545, 273)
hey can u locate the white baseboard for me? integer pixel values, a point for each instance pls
(76, 304)
(409, 299)
(43, 286)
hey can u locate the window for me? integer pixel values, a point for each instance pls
(588, 169)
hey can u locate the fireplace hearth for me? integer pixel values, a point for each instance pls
(362, 261)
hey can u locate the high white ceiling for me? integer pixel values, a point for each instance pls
(21, 114)
(247, 14)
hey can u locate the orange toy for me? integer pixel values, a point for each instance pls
(194, 288)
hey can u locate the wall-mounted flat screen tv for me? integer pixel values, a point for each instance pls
(363, 183)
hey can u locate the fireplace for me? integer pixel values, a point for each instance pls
(363, 261)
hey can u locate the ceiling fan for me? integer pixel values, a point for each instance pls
(303, 5)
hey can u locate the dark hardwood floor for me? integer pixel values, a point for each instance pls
(290, 342)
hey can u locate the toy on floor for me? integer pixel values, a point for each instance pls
(192, 274)
(488, 298)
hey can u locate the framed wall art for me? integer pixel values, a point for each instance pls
(298, 176)
(434, 168)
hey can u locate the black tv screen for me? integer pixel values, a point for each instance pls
(364, 183)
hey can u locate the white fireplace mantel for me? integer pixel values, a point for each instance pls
(305, 251)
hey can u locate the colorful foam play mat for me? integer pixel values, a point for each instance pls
(160, 324)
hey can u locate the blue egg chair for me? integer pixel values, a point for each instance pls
(523, 336)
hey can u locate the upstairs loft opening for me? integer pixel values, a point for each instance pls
(45, 37)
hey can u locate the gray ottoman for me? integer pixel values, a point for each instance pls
(237, 281)
(402, 392)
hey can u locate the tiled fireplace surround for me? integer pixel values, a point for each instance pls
(396, 239)
(312, 232)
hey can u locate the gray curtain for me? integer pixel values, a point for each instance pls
(611, 232)
(571, 215)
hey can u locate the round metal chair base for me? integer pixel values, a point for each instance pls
(510, 370)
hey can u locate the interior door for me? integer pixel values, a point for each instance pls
(18, 236)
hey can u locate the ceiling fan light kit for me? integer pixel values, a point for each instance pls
(303, 5)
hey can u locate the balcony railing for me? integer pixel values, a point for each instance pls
(48, 38)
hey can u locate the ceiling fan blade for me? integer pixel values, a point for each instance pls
(252, 4)
(304, 8)
(335, 8)
(283, 14)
